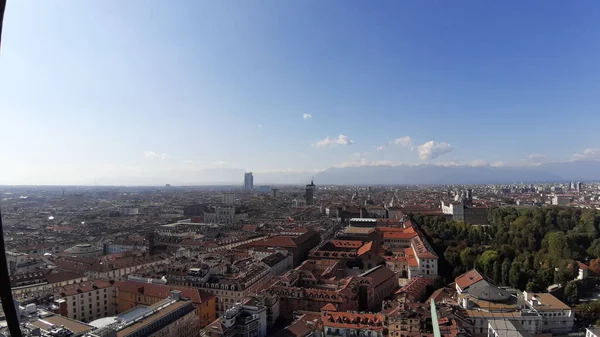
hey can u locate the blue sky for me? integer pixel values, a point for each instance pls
(106, 90)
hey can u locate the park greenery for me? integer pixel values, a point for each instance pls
(525, 248)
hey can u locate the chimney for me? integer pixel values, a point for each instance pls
(175, 294)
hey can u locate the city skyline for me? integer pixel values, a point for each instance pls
(125, 93)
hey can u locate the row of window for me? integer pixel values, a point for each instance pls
(97, 299)
(92, 317)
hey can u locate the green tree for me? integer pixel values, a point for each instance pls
(516, 276)
(468, 257)
(545, 277)
(557, 246)
(497, 272)
(571, 292)
(485, 262)
(531, 287)
(567, 271)
(506, 272)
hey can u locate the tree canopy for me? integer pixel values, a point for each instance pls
(527, 248)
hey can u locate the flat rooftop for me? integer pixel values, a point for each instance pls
(75, 326)
(148, 320)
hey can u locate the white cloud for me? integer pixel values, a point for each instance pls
(306, 116)
(403, 141)
(432, 149)
(588, 154)
(379, 148)
(537, 157)
(451, 163)
(364, 162)
(290, 170)
(480, 163)
(219, 162)
(340, 140)
(153, 155)
(260, 126)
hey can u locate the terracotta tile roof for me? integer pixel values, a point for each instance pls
(416, 287)
(410, 256)
(445, 294)
(63, 276)
(365, 248)
(104, 263)
(582, 266)
(346, 243)
(329, 307)
(299, 328)
(402, 235)
(249, 227)
(83, 287)
(353, 320)
(275, 241)
(379, 275)
(388, 221)
(162, 291)
(468, 279)
(422, 248)
(391, 229)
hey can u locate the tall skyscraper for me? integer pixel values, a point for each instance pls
(310, 193)
(248, 181)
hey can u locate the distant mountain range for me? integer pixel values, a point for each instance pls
(434, 174)
(379, 175)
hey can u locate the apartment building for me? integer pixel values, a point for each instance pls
(250, 318)
(86, 301)
(557, 317)
(131, 294)
(352, 324)
(175, 316)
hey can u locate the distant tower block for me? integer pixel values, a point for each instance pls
(310, 194)
(248, 181)
(275, 193)
(150, 240)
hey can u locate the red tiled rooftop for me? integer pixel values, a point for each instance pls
(468, 279)
(365, 248)
(354, 320)
(329, 307)
(83, 287)
(346, 243)
(162, 291)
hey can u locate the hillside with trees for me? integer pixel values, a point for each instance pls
(521, 247)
